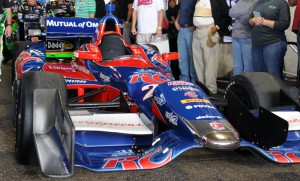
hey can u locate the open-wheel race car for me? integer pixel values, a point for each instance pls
(118, 107)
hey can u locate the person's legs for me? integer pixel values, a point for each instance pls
(246, 50)
(126, 33)
(183, 56)
(189, 42)
(258, 60)
(298, 52)
(298, 42)
(198, 54)
(139, 39)
(174, 64)
(1, 45)
(143, 38)
(237, 57)
(273, 57)
(211, 68)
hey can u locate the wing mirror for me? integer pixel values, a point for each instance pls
(170, 56)
(88, 55)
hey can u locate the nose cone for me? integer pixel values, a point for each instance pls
(224, 140)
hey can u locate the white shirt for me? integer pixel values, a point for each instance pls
(203, 14)
(147, 14)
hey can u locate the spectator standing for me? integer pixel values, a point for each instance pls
(85, 8)
(14, 10)
(241, 36)
(30, 10)
(184, 24)
(147, 15)
(212, 20)
(15, 6)
(295, 26)
(4, 5)
(124, 11)
(269, 42)
(172, 13)
(61, 8)
(100, 9)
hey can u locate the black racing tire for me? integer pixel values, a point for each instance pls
(24, 146)
(15, 98)
(18, 48)
(256, 89)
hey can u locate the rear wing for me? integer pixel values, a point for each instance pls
(61, 28)
(64, 35)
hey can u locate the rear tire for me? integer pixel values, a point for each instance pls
(24, 146)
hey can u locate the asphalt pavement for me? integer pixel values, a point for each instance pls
(200, 164)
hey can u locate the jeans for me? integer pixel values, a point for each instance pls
(269, 58)
(186, 64)
(242, 55)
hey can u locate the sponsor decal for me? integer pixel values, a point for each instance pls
(217, 126)
(285, 157)
(105, 78)
(34, 39)
(186, 101)
(87, 24)
(134, 162)
(60, 67)
(181, 88)
(172, 117)
(144, 2)
(199, 106)
(59, 45)
(148, 78)
(295, 120)
(37, 52)
(161, 100)
(123, 152)
(74, 81)
(190, 94)
(149, 90)
(179, 83)
(99, 123)
(159, 59)
(26, 57)
(81, 68)
(208, 117)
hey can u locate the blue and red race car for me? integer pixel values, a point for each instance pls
(117, 107)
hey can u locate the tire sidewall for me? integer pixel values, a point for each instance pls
(239, 85)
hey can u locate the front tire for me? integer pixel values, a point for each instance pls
(24, 146)
(256, 89)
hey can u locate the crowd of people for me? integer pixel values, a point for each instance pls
(257, 31)
(196, 30)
